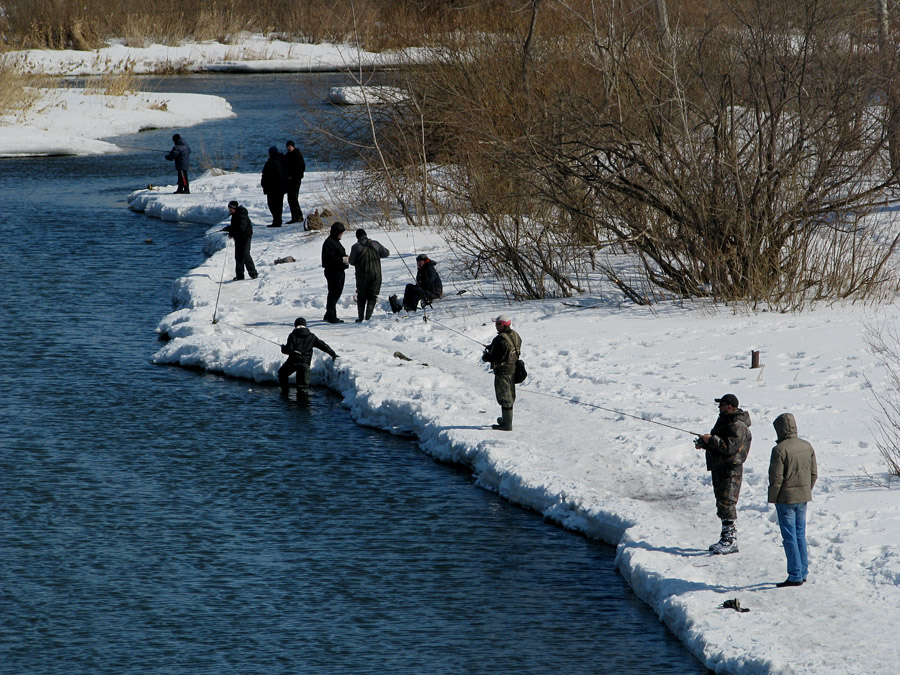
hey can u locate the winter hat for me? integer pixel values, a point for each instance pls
(233, 204)
(290, 144)
(360, 233)
(422, 257)
(299, 321)
(505, 320)
(176, 137)
(273, 150)
(337, 227)
(729, 399)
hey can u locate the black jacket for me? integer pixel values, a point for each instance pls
(294, 166)
(300, 343)
(333, 253)
(365, 256)
(181, 153)
(273, 175)
(429, 280)
(241, 228)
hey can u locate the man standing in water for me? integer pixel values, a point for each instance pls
(299, 348)
(334, 262)
(727, 447)
(241, 230)
(294, 168)
(365, 256)
(502, 354)
(181, 154)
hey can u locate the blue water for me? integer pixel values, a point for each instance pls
(158, 520)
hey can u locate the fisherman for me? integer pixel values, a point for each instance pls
(334, 262)
(299, 348)
(727, 447)
(365, 256)
(294, 168)
(428, 287)
(792, 476)
(241, 230)
(181, 154)
(502, 354)
(273, 186)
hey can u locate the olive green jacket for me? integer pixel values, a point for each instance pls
(792, 468)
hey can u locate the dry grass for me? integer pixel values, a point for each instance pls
(17, 91)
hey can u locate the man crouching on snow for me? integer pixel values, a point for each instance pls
(299, 349)
(727, 447)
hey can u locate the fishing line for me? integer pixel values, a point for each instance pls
(617, 412)
(221, 281)
(256, 335)
(187, 240)
(138, 147)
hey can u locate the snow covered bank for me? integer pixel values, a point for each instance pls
(69, 121)
(628, 481)
(251, 53)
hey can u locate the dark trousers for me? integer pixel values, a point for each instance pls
(183, 184)
(727, 487)
(242, 259)
(290, 367)
(276, 206)
(412, 295)
(293, 190)
(335, 281)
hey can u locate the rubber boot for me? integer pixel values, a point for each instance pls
(370, 307)
(360, 309)
(505, 420)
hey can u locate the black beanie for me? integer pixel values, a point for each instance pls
(299, 321)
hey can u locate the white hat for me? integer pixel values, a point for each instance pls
(503, 319)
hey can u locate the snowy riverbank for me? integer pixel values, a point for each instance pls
(630, 482)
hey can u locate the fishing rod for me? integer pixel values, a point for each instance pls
(139, 147)
(221, 281)
(185, 241)
(617, 412)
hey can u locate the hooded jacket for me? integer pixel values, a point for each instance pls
(272, 181)
(333, 251)
(241, 228)
(300, 343)
(729, 442)
(365, 256)
(181, 153)
(429, 280)
(792, 467)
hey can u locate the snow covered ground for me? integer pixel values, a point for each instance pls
(628, 481)
(69, 121)
(249, 53)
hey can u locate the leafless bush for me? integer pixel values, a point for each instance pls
(884, 341)
(741, 155)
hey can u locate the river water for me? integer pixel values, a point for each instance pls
(159, 520)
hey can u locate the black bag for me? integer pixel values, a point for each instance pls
(520, 373)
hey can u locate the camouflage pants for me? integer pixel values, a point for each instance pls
(504, 387)
(727, 486)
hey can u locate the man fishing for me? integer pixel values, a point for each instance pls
(727, 447)
(299, 348)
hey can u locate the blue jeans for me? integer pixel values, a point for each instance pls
(792, 521)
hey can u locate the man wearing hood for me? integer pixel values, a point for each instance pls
(181, 155)
(365, 256)
(299, 348)
(727, 447)
(273, 185)
(792, 475)
(334, 262)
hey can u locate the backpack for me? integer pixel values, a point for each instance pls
(520, 373)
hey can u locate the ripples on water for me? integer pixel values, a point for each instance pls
(156, 520)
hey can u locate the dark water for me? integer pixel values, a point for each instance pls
(156, 520)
